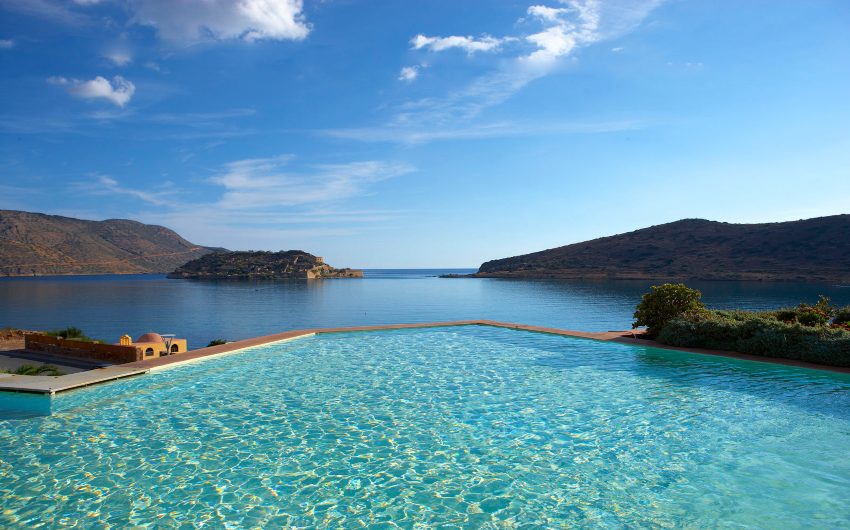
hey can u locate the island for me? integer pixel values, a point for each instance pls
(697, 249)
(261, 265)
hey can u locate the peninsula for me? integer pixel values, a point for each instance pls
(244, 265)
(808, 250)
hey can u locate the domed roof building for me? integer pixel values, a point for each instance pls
(150, 337)
(153, 345)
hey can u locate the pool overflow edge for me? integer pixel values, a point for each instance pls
(51, 385)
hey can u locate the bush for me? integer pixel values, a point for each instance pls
(788, 316)
(664, 303)
(842, 316)
(758, 334)
(216, 342)
(815, 315)
(31, 369)
(812, 317)
(824, 305)
(70, 333)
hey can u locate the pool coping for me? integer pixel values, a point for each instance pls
(54, 384)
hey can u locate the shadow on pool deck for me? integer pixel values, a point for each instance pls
(12, 359)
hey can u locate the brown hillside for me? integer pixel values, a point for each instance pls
(808, 250)
(39, 244)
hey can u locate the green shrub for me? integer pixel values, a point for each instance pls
(70, 333)
(824, 305)
(758, 334)
(815, 315)
(786, 315)
(664, 303)
(812, 317)
(31, 369)
(842, 316)
(216, 342)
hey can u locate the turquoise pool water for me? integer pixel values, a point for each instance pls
(462, 427)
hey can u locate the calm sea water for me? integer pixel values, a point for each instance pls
(107, 307)
(467, 427)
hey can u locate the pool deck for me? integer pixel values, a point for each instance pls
(52, 385)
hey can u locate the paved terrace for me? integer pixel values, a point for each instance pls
(52, 385)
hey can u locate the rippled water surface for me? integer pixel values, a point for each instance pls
(462, 427)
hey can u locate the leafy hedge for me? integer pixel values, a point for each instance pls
(31, 369)
(70, 333)
(842, 317)
(663, 303)
(803, 333)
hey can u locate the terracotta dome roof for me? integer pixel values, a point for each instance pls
(150, 337)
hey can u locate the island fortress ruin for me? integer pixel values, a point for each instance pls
(253, 265)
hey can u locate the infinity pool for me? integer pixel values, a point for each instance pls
(460, 427)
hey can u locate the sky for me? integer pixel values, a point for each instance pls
(438, 133)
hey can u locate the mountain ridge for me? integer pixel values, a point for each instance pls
(37, 244)
(816, 249)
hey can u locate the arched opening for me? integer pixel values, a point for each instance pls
(148, 352)
(175, 348)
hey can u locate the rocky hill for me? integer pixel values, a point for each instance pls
(808, 250)
(39, 244)
(290, 264)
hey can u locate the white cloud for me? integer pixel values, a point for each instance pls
(617, 49)
(119, 57)
(190, 21)
(265, 203)
(559, 32)
(546, 13)
(687, 65)
(418, 135)
(105, 185)
(5, 44)
(408, 73)
(566, 28)
(119, 91)
(185, 22)
(268, 182)
(201, 119)
(57, 11)
(471, 45)
(552, 43)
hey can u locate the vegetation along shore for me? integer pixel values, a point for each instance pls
(816, 333)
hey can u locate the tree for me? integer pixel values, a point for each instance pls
(664, 303)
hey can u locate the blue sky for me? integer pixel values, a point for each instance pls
(423, 134)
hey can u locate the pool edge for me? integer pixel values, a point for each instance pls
(53, 385)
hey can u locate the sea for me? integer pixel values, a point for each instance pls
(106, 307)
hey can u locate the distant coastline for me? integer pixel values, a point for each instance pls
(625, 277)
(811, 250)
